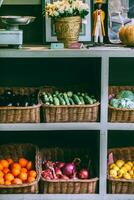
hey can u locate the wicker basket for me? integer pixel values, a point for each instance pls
(71, 113)
(15, 151)
(29, 114)
(121, 186)
(66, 186)
(120, 114)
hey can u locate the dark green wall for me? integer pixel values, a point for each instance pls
(33, 33)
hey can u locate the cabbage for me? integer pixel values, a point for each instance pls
(125, 94)
(114, 103)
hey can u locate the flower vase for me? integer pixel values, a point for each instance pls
(68, 29)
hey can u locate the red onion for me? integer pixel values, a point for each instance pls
(83, 174)
(58, 172)
(60, 164)
(69, 169)
(47, 174)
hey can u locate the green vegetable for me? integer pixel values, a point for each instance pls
(50, 97)
(114, 103)
(82, 99)
(62, 102)
(56, 101)
(76, 99)
(71, 101)
(88, 100)
(66, 99)
(56, 92)
(125, 94)
(94, 100)
(69, 94)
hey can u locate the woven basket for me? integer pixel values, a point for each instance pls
(121, 115)
(66, 186)
(71, 113)
(121, 186)
(29, 114)
(16, 151)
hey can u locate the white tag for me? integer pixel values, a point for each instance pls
(84, 21)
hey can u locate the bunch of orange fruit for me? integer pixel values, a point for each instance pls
(16, 172)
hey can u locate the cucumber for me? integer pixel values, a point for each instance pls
(50, 97)
(76, 100)
(82, 100)
(56, 92)
(88, 100)
(46, 99)
(47, 103)
(56, 101)
(71, 101)
(69, 93)
(94, 100)
(62, 102)
(66, 99)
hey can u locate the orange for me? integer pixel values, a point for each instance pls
(32, 173)
(10, 161)
(9, 177)
(4, 163)
(7, 182)
(1, 166)
(29, 165)
(1, 174)
(6, 170)
(23, 169)
(16, 165)
(23, 176)
(23, 162)
(17, 181)
(30, 179)
(15, 171)
(1, 180)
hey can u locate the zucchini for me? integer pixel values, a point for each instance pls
(82, 100)
(62, 102)
(66, 99)
(69, 93)
(46, 99)
(94, 100)
(76, 100)
(47, 103)
(71, 101)
(56, 101)
(78, 93)
(50, 97)
(88, 100)
(56, 92)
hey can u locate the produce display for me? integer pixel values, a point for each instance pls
(63, 170)
(8, 98)
(121, 169)
(124, 99)
(67, 98)
(16, 172)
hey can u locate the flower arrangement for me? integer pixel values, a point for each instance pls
(66, 8)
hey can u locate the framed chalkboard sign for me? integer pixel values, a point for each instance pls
(49, 28)
(120, 13)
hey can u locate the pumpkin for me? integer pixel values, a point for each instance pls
(126, 35)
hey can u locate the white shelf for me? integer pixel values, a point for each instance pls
(120, 126)
(49, 126)
(104, 53)
(66, 197)
(44, 51)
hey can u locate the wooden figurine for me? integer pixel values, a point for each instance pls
(98, 23)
